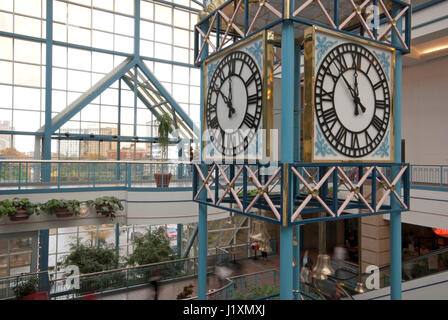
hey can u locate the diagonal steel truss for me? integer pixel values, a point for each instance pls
(149, 90)
(340, 15)
(235, 184)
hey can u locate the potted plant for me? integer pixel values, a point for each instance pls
(17, 209)
(163, 179)
(27, 290)
(62, 208)
(188, 290)
(106, 206)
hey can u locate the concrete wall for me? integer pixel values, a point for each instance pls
(425, 112)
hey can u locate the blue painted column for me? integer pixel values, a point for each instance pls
(395, 217)
(202, 226)
(297, 113)
(44, 235)
(287, 156)
(46, 142)
(137, 28)
(44, 240)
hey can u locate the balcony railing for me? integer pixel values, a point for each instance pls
(111, 281)
(28, 175)
(429, 176)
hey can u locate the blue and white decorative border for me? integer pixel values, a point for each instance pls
(322, 145)
(384, 149)
(322, 46)
(257, 51)
(384, 61)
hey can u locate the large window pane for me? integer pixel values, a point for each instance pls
(78, 80)
(124, 25)
(79, 59)
(27, 75)
(27, 51)
(6, 48)
(27, 98)
(25, 121)
(28, 7)
(6, 97)
(102, 40)
(103, 20)
(79, 16)
(162, 14)
(79, 36)
(5, 72)
(102, 62)
(124, 6)
(27, 26)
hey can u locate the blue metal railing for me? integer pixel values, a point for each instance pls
(246, 286)
(111, 281)
(26, 175)
(429, 176)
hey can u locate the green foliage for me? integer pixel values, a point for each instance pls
(54, 204)
(9, 207)
(25, 288)
(24, 204)
(106, 204)
(186, 292)
(164, 130)
(153, 247)
(250, 193)
(255, 292)
(6, 208)
(92, 259)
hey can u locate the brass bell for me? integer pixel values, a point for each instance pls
(323, 267)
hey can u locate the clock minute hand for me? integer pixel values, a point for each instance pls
(354, 95)
(231, 109)
(226, 101)
(357, 99)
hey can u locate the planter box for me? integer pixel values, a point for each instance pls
(166, 177)
(20, 215)
(63, 213)
(36, 296)
(104, 213)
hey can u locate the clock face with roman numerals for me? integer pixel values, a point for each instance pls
(234, 103)
(352, 100)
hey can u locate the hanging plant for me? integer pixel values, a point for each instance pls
(17, 209)
(106, 206)
(61, 208)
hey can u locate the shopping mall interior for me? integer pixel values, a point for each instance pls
(105, 192)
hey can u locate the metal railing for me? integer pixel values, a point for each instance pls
(63, 174)
(245, 286)
(110, 281)
(429, 175)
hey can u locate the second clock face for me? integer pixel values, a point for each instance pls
(234, 103)
(352, 100)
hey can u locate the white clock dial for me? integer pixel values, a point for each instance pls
(234, 103)
(352, 100)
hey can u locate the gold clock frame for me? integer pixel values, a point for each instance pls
(309, 98)
(267, 74)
